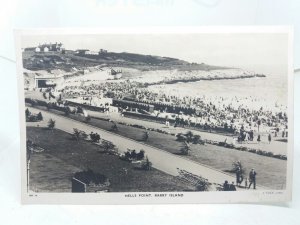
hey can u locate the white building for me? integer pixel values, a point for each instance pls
(46, 49)
(113, 109)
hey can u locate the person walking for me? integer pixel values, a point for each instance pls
(252, 178)
(258, 138)
(238, 173)
(269, 138)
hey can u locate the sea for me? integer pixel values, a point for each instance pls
(269, 92)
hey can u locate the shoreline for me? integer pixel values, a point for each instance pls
(203, 78)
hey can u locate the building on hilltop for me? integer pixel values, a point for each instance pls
(37, 49)
(89, 52)
(82, 51)
(102, 51)
(56, 47)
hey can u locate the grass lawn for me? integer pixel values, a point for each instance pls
(53, 168)
(50, 174)
(271, 172)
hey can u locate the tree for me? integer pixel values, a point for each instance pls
(146, 136)
(108, 146)
(181, 137)
(185, 150)
(95, 137)
(27, 113)
(146, 164)
(189, 135)
(51, 124)
(140, 155)
(76, 134)
(198, 140)
(39, 116)
(114, 127)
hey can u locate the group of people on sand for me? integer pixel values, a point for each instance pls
(216, 112)
(246, 136)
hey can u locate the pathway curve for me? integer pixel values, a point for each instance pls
(161, 160)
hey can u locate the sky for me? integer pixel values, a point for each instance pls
(263, 53)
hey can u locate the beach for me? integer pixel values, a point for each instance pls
(267, 92)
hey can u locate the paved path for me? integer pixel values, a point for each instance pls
(276, 147)
(160, 159)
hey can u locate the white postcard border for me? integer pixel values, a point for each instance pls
(258, 196)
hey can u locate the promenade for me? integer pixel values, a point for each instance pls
(160, 159)
(276, 147)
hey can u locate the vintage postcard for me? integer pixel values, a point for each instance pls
(156, 115)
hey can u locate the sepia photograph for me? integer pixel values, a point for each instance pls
(156, 115)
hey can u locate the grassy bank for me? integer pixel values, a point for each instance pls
(271, 171)
(75, 156)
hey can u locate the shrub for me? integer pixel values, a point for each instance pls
(221, 143)
(203, 185)
(146, 164)
(67, 110)
(31, 118)
(95, 137)
(197, 139)
(244, 148)
(138, 126)
(180, 137)
(252, 150)
(79, 134)
(229, 146)
(39, 116)
(146, 136)
(114, 127)
(259, 152)
(140, 155)
(108, 146)
(130, 155)
(189, 136)
(185, 150)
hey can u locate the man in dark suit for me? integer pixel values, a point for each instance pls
(252, 178)
(232, 187)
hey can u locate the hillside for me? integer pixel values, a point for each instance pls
(66, 62)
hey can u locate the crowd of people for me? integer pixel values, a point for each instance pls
(213, 113)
